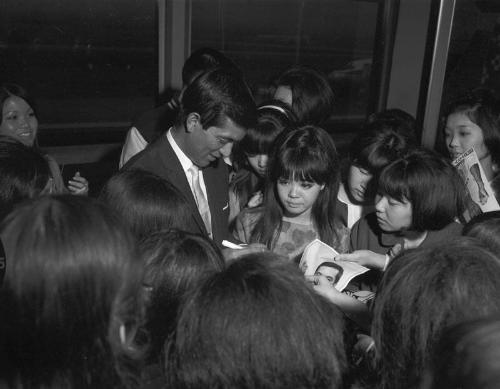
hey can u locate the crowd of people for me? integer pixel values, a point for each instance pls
(184, 271)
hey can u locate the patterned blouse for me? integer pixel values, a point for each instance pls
(293, 238)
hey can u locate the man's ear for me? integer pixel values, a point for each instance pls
(192, 121)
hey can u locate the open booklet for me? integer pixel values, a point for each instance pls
(472, 173)
(318, 258)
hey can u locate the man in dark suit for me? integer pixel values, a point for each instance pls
(215, 111)
(154, 123)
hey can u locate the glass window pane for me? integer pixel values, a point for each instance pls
(264, 37)
(474, 53)
(88, 63)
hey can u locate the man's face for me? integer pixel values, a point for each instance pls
(329, 272)
(208, 144)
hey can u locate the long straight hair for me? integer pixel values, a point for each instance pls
(308, 154)
(273, 117)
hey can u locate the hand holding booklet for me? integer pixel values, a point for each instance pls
(472, 173)
(319, 258)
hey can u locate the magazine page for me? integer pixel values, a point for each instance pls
(318, 258)
(472, 173)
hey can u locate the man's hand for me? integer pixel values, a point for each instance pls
(232, 254)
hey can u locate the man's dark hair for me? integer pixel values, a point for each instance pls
(217, 95)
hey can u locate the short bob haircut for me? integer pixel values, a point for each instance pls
(467, 356)
(146, 202)
(485, 228)
(24, 173)
(216, 95)
(482, 107)
(70, 295)
(256, 325)
(424, 291)
(306, 154)
(430, 183)
(312, 95)
(176, 261)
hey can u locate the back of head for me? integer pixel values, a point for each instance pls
(312, 95)
(256, 325)
(467, 357)
(146, 202)
(24, 173)
(203, 60)
(485, 228)
(374, 150)
(176, 261)
(217, 95)
(397, 120)
(430, 183)
(423, 292)
(72, 280)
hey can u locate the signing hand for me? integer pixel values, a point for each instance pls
(232, 254)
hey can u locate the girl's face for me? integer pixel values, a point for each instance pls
(461, 134)
(393, 215)
(297, 197)
(258, 162)
(357, 182)
(19, 120)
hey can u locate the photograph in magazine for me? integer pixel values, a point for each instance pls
(479, 188)
(318, 259)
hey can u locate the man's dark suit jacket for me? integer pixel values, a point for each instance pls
(159, 158)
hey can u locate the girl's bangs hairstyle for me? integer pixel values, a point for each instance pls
(394, 181)
(272, 118)
(304, 156)
(430, 183)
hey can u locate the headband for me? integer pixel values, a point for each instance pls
(275, 107)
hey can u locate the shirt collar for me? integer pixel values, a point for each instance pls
(183, 158)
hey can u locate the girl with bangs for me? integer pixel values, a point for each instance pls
(369, 153)
(419, 198)
(299, 196)
(251, 155)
